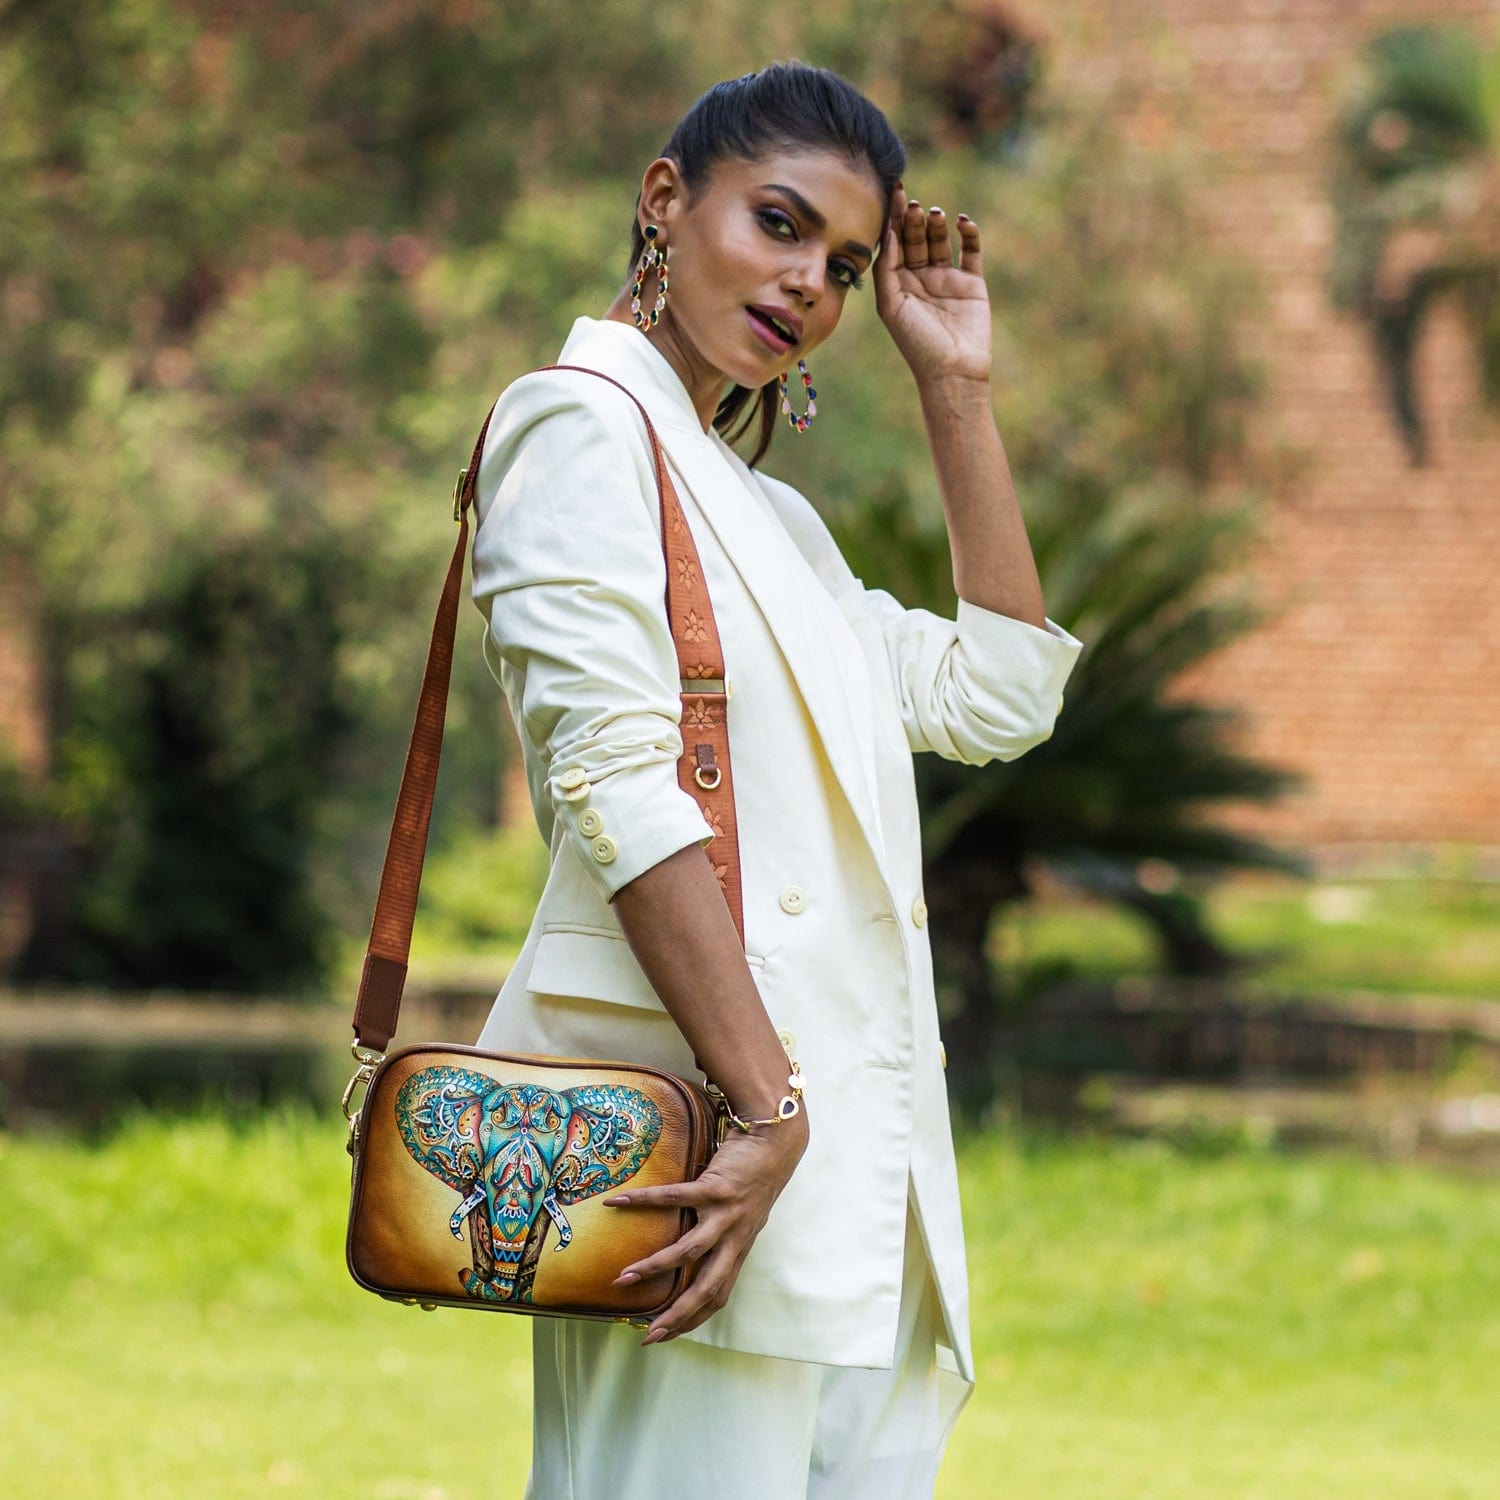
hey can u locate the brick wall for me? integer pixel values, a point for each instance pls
(1380, 677)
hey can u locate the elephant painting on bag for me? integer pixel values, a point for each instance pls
(517, 1154)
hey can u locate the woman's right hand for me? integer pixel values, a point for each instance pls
(732, 1199)
(681, 929)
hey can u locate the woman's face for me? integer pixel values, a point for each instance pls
(791, 234)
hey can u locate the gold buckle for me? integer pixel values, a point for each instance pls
(721, 1110)
(369, 1060)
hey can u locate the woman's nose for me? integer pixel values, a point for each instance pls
(804, 282)
(800, 289)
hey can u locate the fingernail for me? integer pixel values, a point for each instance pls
(618, 1200)
(654, 1338)
(627, 1276)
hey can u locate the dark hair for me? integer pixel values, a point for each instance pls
(786, 106)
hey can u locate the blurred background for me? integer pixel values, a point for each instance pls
(1218, 963)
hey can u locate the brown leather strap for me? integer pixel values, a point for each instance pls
(703, 769)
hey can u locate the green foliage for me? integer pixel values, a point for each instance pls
(18, 799)
(1410, 938)
(1416, 194)
(478, 895)
(1435, 77)
(217, 752)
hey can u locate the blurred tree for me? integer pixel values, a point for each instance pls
(1416, 193)
(205, 775)
(259, 281)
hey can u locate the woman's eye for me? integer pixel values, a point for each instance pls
(775, 219)
(772, 217)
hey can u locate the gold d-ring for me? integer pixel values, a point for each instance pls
(369, 1059)
(707, 786)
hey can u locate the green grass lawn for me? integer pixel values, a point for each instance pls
(1150, 1321)
(1399, 937)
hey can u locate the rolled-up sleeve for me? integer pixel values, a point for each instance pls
(980, 687)
(568, 570)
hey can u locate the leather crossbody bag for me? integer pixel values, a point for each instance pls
(478, 1175)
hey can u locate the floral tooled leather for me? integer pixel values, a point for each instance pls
(713, 817)
(696, 714)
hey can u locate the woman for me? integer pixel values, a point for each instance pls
(822, 1348)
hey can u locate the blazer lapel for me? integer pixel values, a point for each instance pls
(775, 573)
(824, 654)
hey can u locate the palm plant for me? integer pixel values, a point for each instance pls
(1131, 772)
(1416, 193)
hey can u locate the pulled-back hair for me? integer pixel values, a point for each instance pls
(785, 107)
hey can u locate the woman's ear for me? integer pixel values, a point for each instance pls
(661, 190)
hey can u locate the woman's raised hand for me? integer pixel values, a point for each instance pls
(732, 1199)
(938, 313)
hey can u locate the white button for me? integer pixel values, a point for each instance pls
(574, 776)
(1058, 709)
(575, 793)
(793, 899)
(942, 1054)
(589, 822)
(603, 849)
(919, 912)
(788, 1040)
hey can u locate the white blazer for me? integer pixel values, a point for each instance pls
(833, 686)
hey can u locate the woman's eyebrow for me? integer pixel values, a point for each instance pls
(814, 218)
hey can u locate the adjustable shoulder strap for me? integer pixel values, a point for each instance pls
(702, 770)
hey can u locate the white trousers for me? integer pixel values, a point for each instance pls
(684, 1421)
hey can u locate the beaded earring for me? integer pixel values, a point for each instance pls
(803, 422)
(650, 256)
